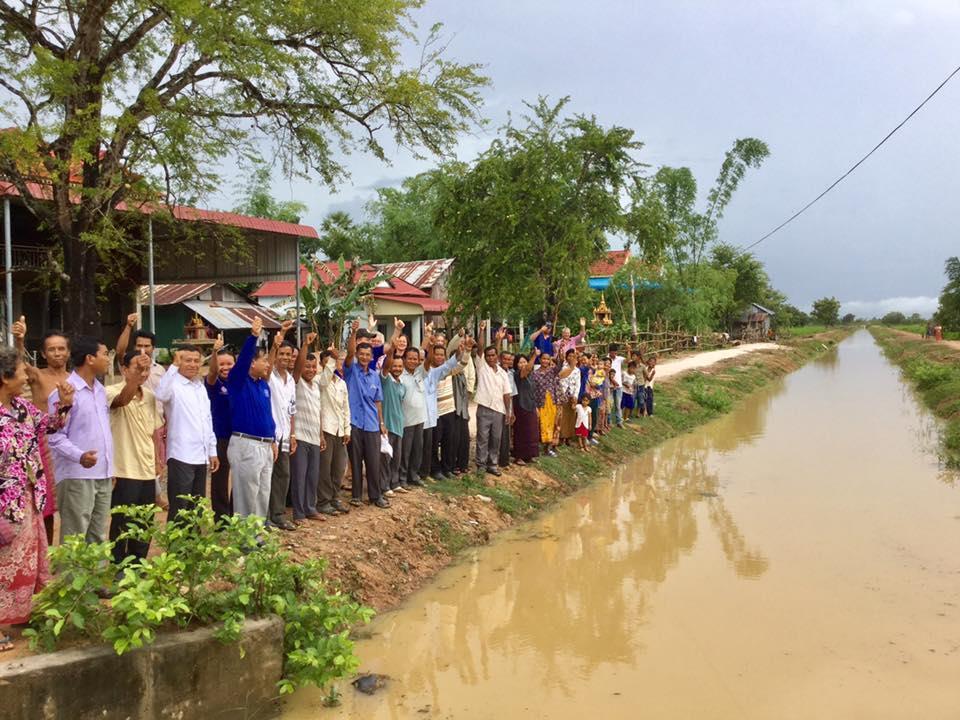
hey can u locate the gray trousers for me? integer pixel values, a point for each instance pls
(333, 465)
(616, 414)
(304, 478)
(365, 452)
(84, 507)
(489, 432)
(251, 465)
(279, 485)
(411, 451)
(390, 466)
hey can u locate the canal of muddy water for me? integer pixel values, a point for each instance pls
(798, 558)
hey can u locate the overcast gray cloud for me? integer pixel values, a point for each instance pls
(820, 81)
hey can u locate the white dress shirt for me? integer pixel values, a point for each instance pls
(492, 385)
(309, 412)
(283, 403)
(190, 437)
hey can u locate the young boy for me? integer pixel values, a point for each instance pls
(628, 382)
(583, 422)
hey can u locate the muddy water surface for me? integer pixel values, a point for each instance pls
(799, 558)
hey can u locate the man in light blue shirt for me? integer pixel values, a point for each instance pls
(365, 395)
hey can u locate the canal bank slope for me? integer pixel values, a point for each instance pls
(380, 557)
(933, 370)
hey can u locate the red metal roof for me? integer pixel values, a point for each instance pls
(422, 273)
(608, 266)
(42, 191)
(172, 294)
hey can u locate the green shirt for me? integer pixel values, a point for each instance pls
(393, 392)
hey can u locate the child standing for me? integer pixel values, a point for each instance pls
(649, 372)
(583, 422)
(628, 382)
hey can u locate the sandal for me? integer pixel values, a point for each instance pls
(6, 644)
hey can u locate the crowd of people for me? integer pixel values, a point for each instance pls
(277, 426)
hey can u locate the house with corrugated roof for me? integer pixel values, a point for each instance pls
(392, 297)
(215, 307)
(603, 270)
(431, 276)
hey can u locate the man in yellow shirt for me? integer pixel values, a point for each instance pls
(134, 420)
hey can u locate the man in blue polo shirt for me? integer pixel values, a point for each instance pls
(253, 448)
(366, 418)
(221, 363)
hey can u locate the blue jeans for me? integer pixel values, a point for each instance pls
(616, 414)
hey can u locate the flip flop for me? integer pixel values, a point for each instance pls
(6, 644)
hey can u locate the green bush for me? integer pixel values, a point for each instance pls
(928, 375)
(715, 399)
(207, 572)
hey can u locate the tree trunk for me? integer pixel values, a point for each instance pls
(81, 316)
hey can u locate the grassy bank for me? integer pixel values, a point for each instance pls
(933, 369)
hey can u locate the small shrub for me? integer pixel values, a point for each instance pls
(927, 375)
(207, 572)
(715, 399)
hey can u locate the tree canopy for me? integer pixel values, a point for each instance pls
(948, 311)
(826, 311)
(119, 101)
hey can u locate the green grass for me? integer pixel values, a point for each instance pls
(934, 371)
(803, 330)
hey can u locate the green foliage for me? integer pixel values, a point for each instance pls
(206, 572)
(340, 237)
(534, 210)
(848, 319)
(927, 375)
(948, 310)
(255, 198)
(327, 305)
(129, 101)
(894, 318)
(715, 399)
(826, 311)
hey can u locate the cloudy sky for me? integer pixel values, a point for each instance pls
(820, 81)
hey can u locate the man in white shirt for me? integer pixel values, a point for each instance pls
(335, 411)
(494, 405)
(191, 443)
(283, 402)
(616, 387)
(305, 465)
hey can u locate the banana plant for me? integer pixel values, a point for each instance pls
(328, 305)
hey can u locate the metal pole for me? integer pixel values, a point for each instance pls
(296, 292)
(8, 267)
(153, 309)
(633, 307)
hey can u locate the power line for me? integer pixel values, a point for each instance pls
(859, 162)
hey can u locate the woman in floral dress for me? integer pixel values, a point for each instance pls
(23, 492)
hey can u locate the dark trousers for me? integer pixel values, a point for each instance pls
(365, 454)
(304, 477)
(648, 399)
(129, 492)
(506, 434)
(184, 479)
(220, 498)
(333, 465)
(461, 455)
(411, 452)
(390, 466)
(444, 443)
(279, 484)
(594, 414)
(426, 457)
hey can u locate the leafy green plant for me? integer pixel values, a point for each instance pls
(928, 375)
(207, 572)
(716, 399)
(327, 305)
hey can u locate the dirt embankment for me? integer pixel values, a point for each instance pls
(381, 556)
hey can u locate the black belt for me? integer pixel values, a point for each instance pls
(254, 437)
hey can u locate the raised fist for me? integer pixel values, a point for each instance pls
(66, 391)
(311, 338)
(218, 344)
(133, 319)
(257, 327)
(354, 326)
(19, 328)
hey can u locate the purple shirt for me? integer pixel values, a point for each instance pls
(87, 428)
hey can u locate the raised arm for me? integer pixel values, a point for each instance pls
(241, 368)
(214, 364)
(528, 368)
(352, 343)
(19, 332)
(164, 391)
(123, 342)
(302, 355)
(278, 340)
(398, 326)
(426, 345)
(131, 387)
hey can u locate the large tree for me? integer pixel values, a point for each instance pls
(826, 311)
(948, 312)
(117, 99)
(534, 210)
